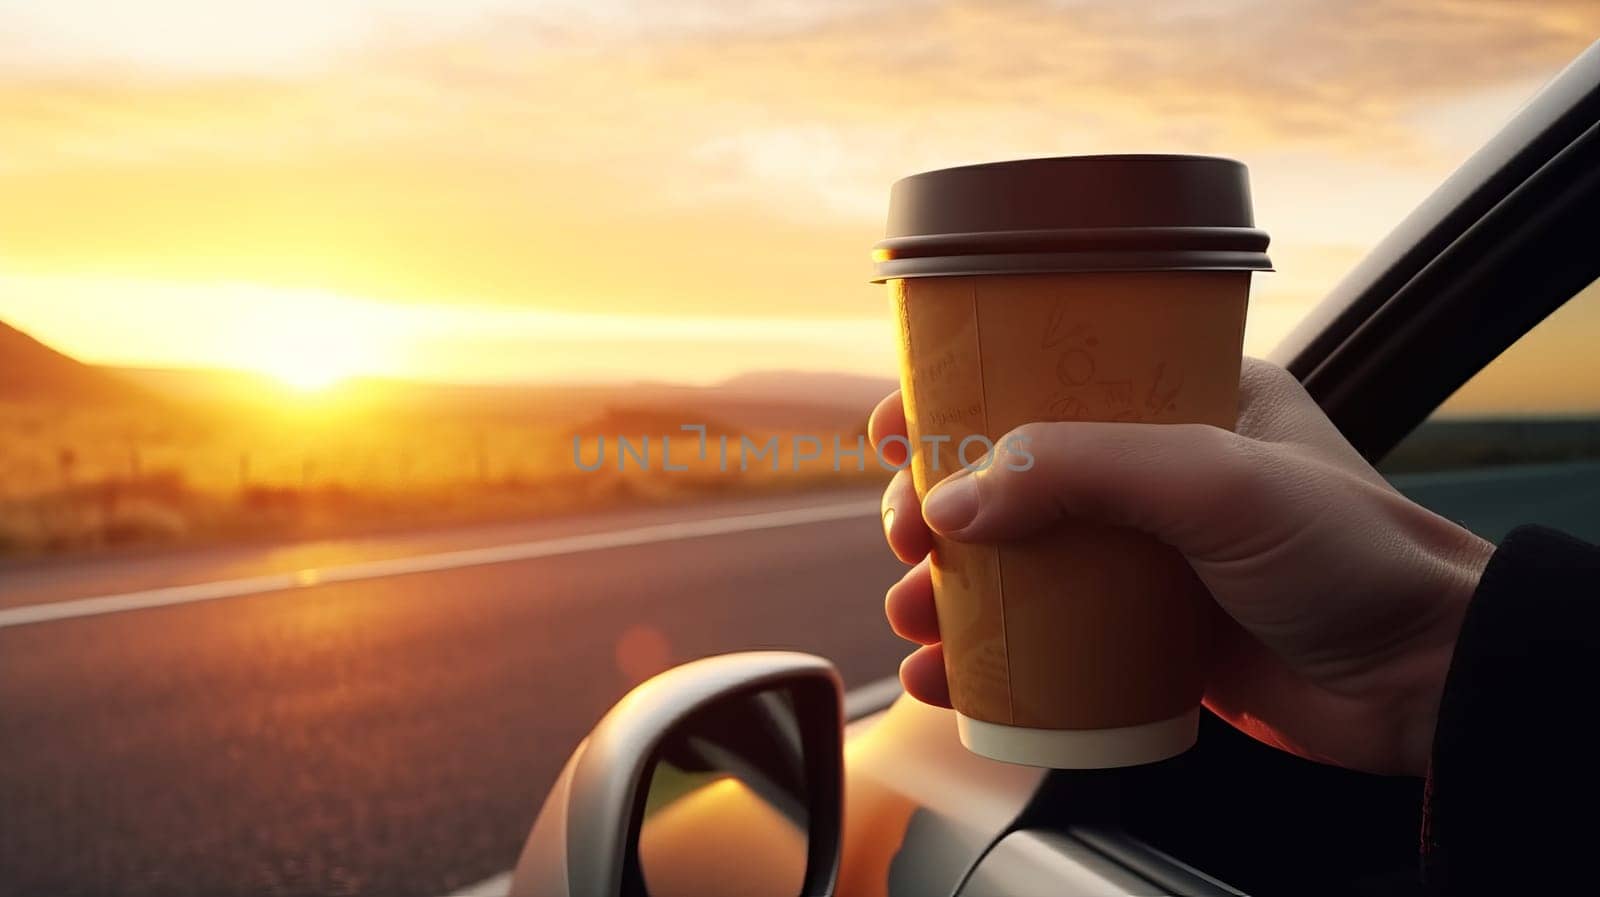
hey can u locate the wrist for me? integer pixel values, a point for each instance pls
(1460, 571)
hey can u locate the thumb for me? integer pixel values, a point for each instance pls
(1181, 483)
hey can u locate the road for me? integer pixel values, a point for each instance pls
(392, 734)
(1492, 501)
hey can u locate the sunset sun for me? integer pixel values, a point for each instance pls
(307, 341)
(308, 352)
(307, 372)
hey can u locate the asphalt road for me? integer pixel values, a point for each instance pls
(389, 735)
(393, 734)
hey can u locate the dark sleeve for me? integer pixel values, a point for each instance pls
(1513, 795)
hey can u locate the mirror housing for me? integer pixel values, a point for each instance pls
(585, 840)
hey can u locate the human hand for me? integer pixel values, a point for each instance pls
(1347, 595)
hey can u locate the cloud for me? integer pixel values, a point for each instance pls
(683, 158)
(1248, 73)
(199, 37)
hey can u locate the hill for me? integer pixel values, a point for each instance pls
(810, 388)
(765, 400)
(30, 371)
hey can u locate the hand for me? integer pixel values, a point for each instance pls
(1348, 596)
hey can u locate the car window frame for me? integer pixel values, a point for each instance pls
(1503, 242)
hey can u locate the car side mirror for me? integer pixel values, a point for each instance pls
(721, 776)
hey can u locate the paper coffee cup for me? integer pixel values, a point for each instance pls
(1109, 288)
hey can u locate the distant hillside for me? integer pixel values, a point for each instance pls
(770, 401)
(810, 388)
(199, 385)
(30, 371)
(626, 421)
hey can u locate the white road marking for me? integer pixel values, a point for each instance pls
(869, 698)
(428, 563)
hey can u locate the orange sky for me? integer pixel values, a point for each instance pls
(490, 190)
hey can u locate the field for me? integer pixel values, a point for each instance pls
(241, 458)
(1457, 443)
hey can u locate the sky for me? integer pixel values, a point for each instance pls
(487, 190)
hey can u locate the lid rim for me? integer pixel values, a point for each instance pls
(1071, 263)
(1156, 237)
(1090, 158)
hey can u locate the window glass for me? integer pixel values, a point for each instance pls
(1519, 442)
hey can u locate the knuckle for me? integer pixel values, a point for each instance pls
(1022, 449)
(1023, 443)
(1267, 371)
(1265, 383)
(1032, 431)
(994, 475)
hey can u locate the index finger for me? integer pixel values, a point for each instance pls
(888, 419)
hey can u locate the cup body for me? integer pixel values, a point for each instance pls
(1085, 646)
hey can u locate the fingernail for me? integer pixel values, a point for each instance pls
(952, 504)
(888, 522)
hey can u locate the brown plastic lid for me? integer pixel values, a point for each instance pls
(1073, 213)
